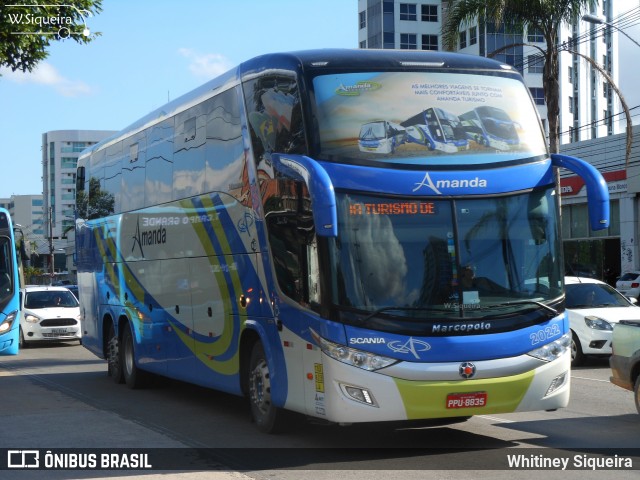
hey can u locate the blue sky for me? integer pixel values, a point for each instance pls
(149, 51)
(153, 50)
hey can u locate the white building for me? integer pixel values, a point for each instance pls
(588, 106)
(60, 152)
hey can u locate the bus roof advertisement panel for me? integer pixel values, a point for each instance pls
(427, 118)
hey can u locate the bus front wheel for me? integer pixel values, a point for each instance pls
(268, 417)
(577, 357)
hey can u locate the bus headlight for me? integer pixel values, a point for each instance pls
(5, 326)
(554, 350)
(351, 356)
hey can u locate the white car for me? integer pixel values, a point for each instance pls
(629, 284)
(49, 314)
(593, 307)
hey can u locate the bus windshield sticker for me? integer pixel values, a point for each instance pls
(432, 118)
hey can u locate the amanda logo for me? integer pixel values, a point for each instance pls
(357, 88)
(148, 238)
(436, 187)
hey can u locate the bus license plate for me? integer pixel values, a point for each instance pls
(467, 400)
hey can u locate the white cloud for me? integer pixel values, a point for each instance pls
(205, 65)
(47, 75)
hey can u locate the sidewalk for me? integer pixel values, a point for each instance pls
(36, 417)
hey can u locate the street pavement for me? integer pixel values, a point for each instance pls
(33, 415)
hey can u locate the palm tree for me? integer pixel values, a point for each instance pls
(544, 16)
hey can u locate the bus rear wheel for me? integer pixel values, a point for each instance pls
(133, 376)
(114, 366)
(267, 417)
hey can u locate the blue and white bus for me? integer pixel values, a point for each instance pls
(10, 282)
(491, 127)
(238, 238)
(437, 129)
(381, 137)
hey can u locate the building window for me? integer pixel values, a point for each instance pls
(363, 20)
(536, 63)
(538, 95)
(463, 40)
(534, 35)
(408, 11)
(429, 42)
(570, 74)
(408, 41)
(429, 13)
(363, 44)
(389, 40)
(570, 104)
(473, 35)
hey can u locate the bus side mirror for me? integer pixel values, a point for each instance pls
(323, 199)
(597, 190)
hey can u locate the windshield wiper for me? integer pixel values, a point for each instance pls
(525, 302)
(402, 309)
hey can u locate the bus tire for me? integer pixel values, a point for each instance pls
(577, 357)
(267, 417)
(133, 376)
(636, 393)
(114, 364)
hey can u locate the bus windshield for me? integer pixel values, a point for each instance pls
(426, 118)
(6, 270)
(420, 259)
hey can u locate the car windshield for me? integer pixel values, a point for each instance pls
(421, 259)
(49, 299)
(593, 295)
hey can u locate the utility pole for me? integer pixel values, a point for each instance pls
(51, 254)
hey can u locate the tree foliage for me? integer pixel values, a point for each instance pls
(27, 29)
(545, 16)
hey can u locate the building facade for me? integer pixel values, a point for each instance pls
(588, 105)
(60, 152)
(605, 253)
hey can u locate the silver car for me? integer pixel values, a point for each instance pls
(49, 314)
(629, 284)
(594, 308)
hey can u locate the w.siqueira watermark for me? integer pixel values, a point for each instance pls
(48, 19)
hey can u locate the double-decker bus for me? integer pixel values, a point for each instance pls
(238, 238)
(491, 127)
(437, 129)
(10, 282)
